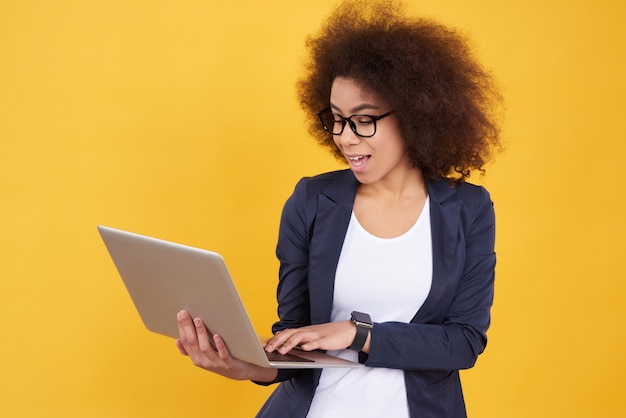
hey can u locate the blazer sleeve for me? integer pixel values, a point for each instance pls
(455, 340)
(292, 251)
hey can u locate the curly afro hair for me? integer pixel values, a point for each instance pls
(445, 101)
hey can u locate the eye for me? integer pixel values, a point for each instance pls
(363, 120)
(337, 118)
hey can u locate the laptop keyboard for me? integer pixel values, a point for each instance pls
(276, 356)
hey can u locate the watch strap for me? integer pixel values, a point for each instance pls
(359, 338)
(363, 324)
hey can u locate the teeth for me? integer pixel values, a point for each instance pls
(358, 160)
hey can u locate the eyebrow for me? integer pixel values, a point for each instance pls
(364, 106)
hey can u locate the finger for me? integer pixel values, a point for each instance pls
(268, 340)
(204, 338)
(220, 346)
(181, 347)
(185, 342)
(278, 339)
(269, 345)
(295, 339)
(311, 345)
(187, 330)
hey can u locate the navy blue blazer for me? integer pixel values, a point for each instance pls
(446, 334)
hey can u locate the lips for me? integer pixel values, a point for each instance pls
(358, 160)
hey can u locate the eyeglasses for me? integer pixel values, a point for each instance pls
(362, 125)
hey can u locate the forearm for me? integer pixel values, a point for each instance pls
(262, 375)
(424, 346)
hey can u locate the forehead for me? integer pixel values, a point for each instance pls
(348, 95)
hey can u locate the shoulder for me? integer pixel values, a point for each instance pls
(321, 180)
(333, 184)
(308, 189)
(471, 203)
(468, 194)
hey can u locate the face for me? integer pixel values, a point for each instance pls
(379, 158)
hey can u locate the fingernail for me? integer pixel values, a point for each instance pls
(182, 315)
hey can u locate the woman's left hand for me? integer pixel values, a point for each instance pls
(329, 336)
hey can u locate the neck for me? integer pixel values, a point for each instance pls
(408, 185)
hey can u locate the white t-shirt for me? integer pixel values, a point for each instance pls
(388, 278)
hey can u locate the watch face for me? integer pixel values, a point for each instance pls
(361, 317)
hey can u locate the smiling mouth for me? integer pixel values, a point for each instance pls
(358, 159)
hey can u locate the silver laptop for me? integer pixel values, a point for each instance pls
(163, 278)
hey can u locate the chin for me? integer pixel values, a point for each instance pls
(363, 178)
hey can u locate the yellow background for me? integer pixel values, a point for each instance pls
(178, 119)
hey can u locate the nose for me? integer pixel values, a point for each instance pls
(347, 137)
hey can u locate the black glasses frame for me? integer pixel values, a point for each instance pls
(349, 121)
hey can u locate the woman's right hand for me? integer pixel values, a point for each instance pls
(194, 340)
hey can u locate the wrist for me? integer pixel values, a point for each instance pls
(261, 374)
(363, 324)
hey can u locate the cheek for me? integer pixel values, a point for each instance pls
(398, 150)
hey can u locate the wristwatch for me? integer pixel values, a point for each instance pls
(363, 324)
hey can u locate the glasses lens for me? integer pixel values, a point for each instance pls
(364, 125)
(331, 122)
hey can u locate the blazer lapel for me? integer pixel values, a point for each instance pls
(334, 208)
(445, 229)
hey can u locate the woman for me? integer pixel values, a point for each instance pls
(399, 237)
